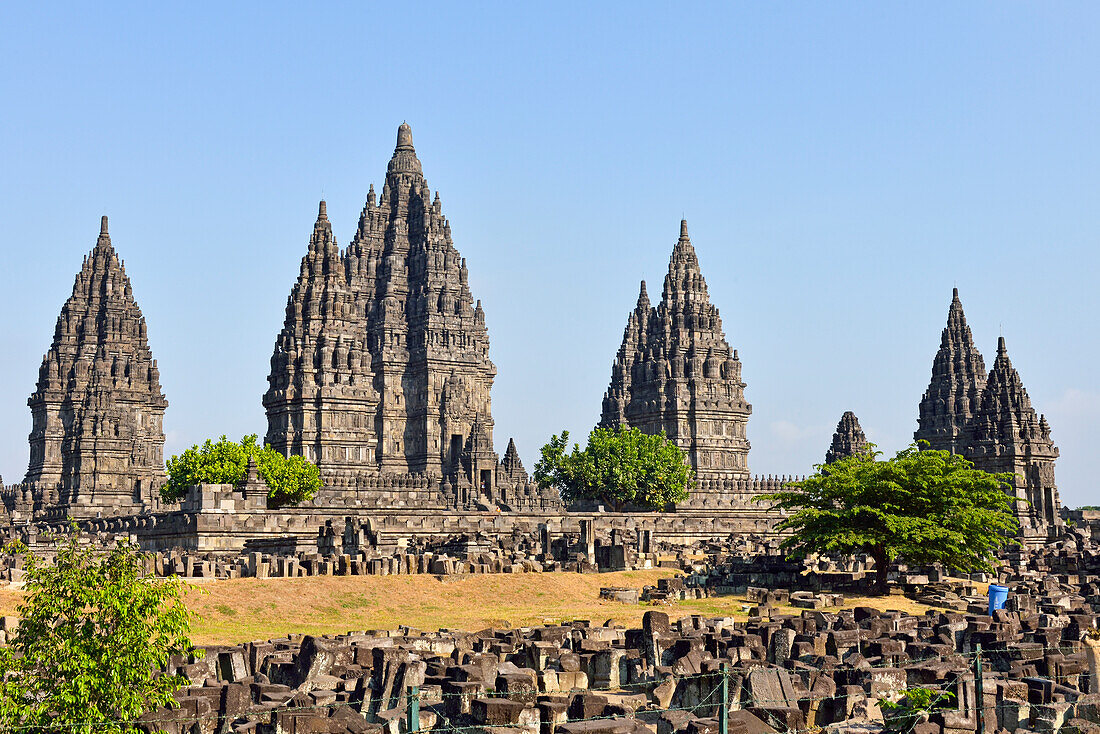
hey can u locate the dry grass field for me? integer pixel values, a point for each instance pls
(251, 609)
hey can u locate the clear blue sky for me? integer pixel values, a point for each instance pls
(841, 166)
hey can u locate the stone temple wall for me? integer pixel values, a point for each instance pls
(226, 519)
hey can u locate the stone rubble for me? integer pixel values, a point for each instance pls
(815, 668)
(797, 662)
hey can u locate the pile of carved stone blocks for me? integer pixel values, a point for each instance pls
(818, 668)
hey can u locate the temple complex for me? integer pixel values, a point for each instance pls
(381, 376)
(989, 419)
(848, 440)
(97, 441)
(676, 373)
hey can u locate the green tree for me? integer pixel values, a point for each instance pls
(621, 466)
(923, 505)
(95, 631)
(289, 480)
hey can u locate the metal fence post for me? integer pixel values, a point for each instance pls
(979, 692)
(724, 705)
(412, 723)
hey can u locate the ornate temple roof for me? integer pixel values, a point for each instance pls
(1006, 423)
(848, 440)
(98, 404)
(958, 378)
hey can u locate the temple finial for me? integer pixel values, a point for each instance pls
(322, 210)
(955, 294)
(1001, 348)
(103, 224)
(404, 137)
(683, 229)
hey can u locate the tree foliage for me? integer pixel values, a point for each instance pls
(289, 480)
(621, 466)
(95, 629)
(923, 505)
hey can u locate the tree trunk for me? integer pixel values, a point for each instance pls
(881, 567)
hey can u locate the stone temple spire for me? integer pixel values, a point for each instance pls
(1008, 436)
(634, 338)
(676, 373)
(383, 363)
(848, 440)
(989, 420)
(404, 161)
(97, 437)
(958, 378)
(511, 467)
(319, 403)
(684, 281)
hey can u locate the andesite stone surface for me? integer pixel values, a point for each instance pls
(97, 438)
(383, 366)
(675, 372)
(989, 419)
(848, 440)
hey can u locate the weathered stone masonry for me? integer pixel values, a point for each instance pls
(97, 441)
(676, 373)
(382, 366)
(989, 420)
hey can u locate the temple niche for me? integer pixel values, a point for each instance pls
(676, 373)
(97, 412)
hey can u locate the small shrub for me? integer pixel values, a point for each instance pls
(95, 631)
(904, 714)
(289, 480)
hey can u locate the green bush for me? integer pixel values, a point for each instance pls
(904, 714)
(620, 466)
(289, 480)
(95, 631)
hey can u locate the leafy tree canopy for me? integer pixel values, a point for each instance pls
(620, 466)
(924, 505)
(289, 480)
(95, 629)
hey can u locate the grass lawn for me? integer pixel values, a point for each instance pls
(240, 610)
(243, 610)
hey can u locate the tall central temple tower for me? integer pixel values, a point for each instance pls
(676, 373)
(383, 361)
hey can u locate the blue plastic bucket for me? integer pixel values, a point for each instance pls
(997, 596)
